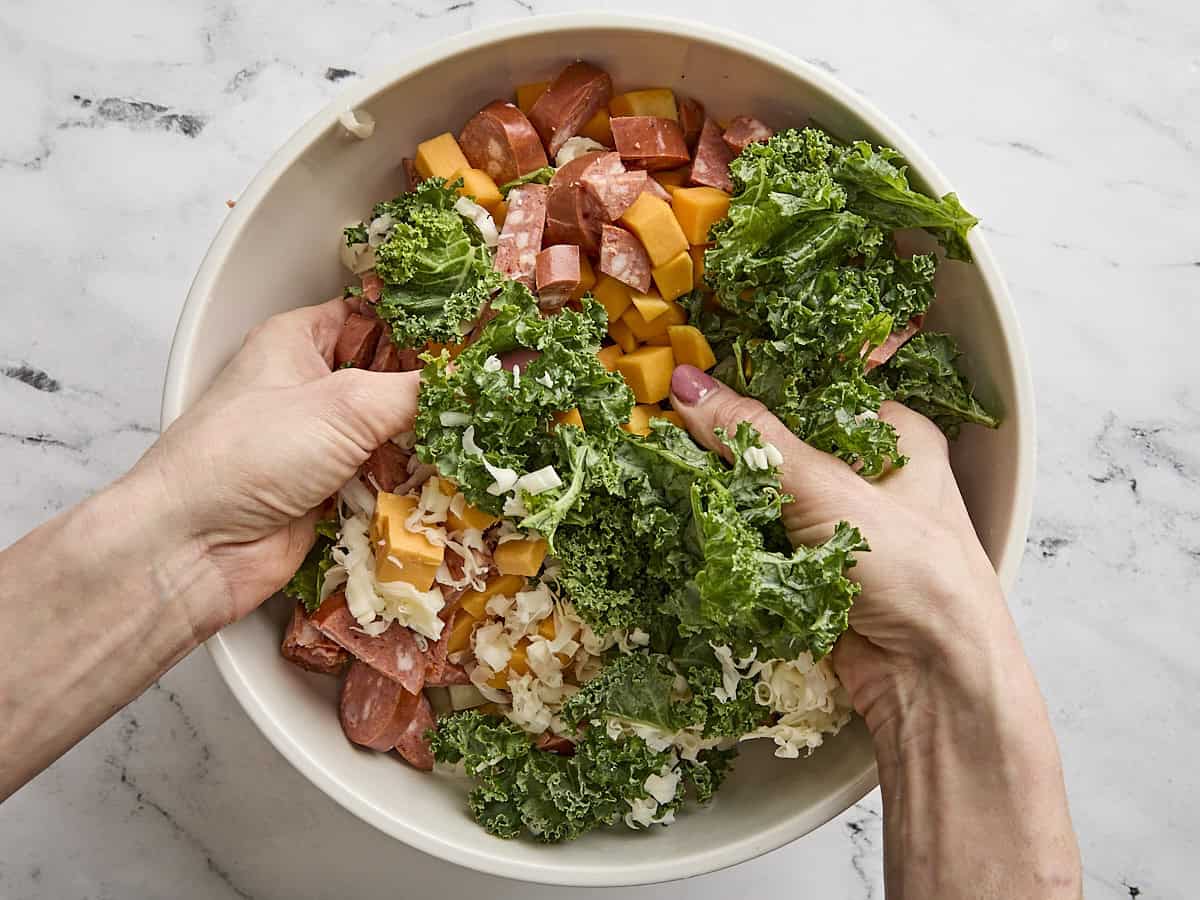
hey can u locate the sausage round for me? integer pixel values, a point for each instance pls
(624, 258)
(558, 274)
(710, 168)
(521, 237)
(356, 343)
(374, 710)
(411, 743)
(386, 467)
(746, 130)
(572, 98)
(501, 141)
(650, 142)
(304, 645)
(572, 216)
(691, 120)
(612, 188)
(394, 654)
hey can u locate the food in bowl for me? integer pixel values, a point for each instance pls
(548, 581)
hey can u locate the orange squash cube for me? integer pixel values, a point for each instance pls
(523, 557)
(691, 347)
(648, 370)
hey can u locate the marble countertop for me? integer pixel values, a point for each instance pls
(1071, 129)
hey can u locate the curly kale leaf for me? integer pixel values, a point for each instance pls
(635, 687)
(924, 376)
(436, 270)
(554, 798)
(305, 584)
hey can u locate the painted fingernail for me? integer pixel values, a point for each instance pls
(690, 385)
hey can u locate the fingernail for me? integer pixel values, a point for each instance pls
(689, 385)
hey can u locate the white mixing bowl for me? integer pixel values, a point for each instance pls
(289, 221)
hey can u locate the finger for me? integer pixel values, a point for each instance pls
(926, 481)
(318, 325)
(370, 407)
(821, 484)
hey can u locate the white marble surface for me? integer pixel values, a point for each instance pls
(1071, 128)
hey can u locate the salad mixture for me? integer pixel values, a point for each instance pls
(548, 582)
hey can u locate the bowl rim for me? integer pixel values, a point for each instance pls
(199, 295)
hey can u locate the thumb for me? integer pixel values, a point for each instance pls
(822, 485)
(370, 407)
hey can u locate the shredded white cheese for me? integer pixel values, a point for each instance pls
(358, 122)
(544, 479)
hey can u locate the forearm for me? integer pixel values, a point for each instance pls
(974, 801)
(110, 595)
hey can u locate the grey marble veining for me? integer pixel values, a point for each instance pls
(1070, 128)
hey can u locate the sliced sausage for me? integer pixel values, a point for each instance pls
(501, 141)
(611, 188)
(439, 671)
(691, 120)
(394, 654)
(410, 360)
(386, 467)
(304, 645)
(746, 130)
(387, 356)
(624, 258)
(374, 710)
(713, 156)
(571, 214)
(650, 142)
(555, 743)
(894, 341)
(558, 274)
(411, 178)
(521, 237)
(572, 98)
(411, 743)
(654, 189)
(356, 343)
(372, 287)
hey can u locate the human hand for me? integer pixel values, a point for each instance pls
(275, 435)
(930, 598)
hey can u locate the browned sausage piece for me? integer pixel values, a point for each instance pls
(571, 214)
(710, 168)
(387, 356)
(502, 142)
(304, 645)
(691, 120)
(394, 654)
(439, 671)
(746, 130)
(650, 142)
(897, 339)
(356, 343)
(411, 744)
(558, 275)
(654, 189)
(572, 98)
(374, 710)
(411, 178)
(521, 237)
(372, 287)
(624, 258)
(555, 743)
(612, 188)
(386, 467)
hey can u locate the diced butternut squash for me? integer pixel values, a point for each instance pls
(620, 332)
(674, 277)
(440, 156)
(587, 277)
(690, 347)
(647, 371)
(478, 184)
(470, 518)
(671, 177)
(475, 602)
(608, 356)
(570, 417)
(697, 253)
(460, 633)
(522, 557)
(546, 628)
(658, 102)
(639, 419)
(651, 306)
(527, 94)
(658, 340)
(500, 213)
(642, 330)
(614, 296)
(698, 209)
(400, 554)
(657, 228)
(598, 128)
(673, 417)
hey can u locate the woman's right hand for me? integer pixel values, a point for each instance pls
(930, 598)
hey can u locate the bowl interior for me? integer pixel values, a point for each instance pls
(289, 222)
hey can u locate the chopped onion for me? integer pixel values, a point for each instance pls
(358, 122)
(544, 479)
(469, 209)
(575, 147)
(452, 419)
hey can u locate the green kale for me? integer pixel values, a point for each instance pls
(436, 270)
(305, 584)
(923, 375)
(537, 176)
(554, 798)
(635, 687)
(509, 417)
(725, 718)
